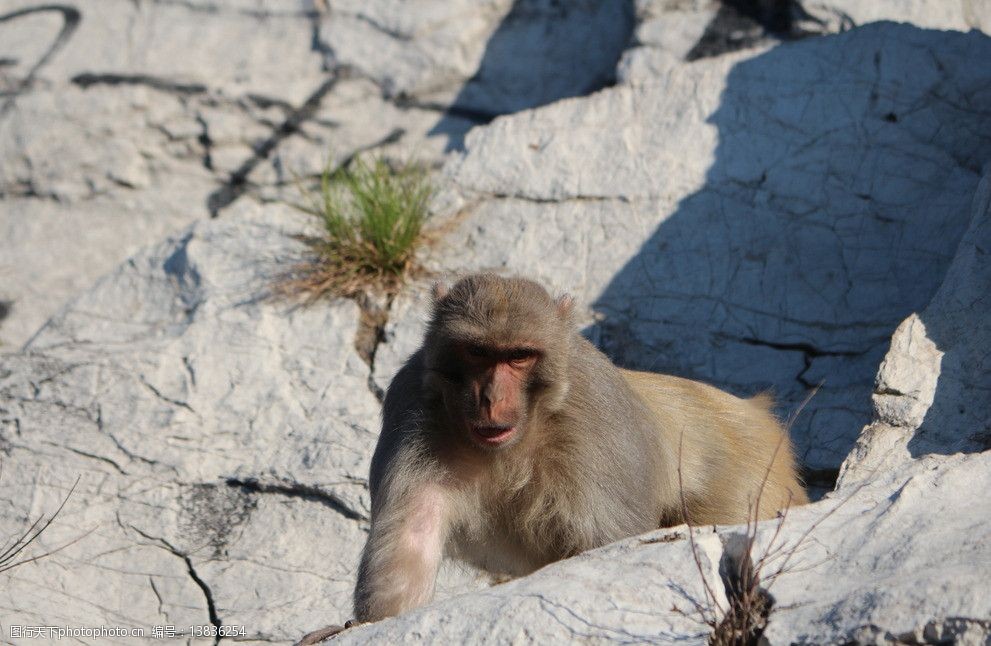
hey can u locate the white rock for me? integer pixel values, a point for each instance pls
(908, 549)
(105, 154)
(491, 57)
(195, 43)
(123, 100)
(639, 591)
(670, 32)
(931, 394)
(206, 423)
(403, 333)
(410, 50)
(961, 15)
(49, 252)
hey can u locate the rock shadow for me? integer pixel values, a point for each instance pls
(542, 51)
(839, 191)
(739, 24)
(957, 321)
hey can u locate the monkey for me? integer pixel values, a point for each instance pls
(509, 441)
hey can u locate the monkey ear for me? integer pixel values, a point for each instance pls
(565, 303)
(439, 290)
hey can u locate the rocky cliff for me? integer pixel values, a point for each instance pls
(761, 195)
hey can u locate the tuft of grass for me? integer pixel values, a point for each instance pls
(372, 215)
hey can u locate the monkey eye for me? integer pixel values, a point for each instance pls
(521, 356)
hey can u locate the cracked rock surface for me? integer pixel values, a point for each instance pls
(123, 121)
(761, 195)
(197, 463)
(932, 391)
(669, 32)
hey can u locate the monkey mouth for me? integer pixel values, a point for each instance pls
(493, 434)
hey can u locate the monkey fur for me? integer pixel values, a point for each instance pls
(509, 441)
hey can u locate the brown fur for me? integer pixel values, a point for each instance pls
(594, 457)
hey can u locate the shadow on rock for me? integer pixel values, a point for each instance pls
(959, 419)
(740, 24)
(837, 196)
(542, 51)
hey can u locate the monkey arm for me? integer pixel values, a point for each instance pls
(410, 508)
(404, 549)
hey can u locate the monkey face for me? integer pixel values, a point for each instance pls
(496, 350)
(493, 401)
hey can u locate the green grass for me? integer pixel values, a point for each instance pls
(372, 214)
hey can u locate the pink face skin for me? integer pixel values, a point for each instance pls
(497, 381)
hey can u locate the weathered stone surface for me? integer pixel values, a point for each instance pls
(488, 58)
(340, 127)
(184, 311)
(860, 571)
(961, 15)
(670, 32)
(105, 129)
(931, 393)
(172, 111)
(403, 332)
(169, 43)
(212, 429)
(636, 591)
(49, 253)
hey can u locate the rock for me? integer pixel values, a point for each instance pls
(931, 393)
(340, 127)
(186, 107)
(486, 58)
(434, 45)
(88, 179)
(409, 314)
(191, 45)
(51, 252)
(962, 15)
(202, 432)
(859, 571)
(189, 304)
(219, 435)
(637, 590)
(670, 32)
(105, 131)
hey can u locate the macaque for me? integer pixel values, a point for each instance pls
(509, 441)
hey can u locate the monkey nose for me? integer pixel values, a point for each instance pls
(501, 413)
